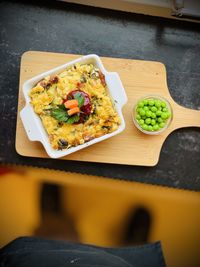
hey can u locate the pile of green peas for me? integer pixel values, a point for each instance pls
(152, 114)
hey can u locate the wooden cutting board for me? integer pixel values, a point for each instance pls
(132, 147)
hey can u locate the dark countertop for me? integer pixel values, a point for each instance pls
(68, 28)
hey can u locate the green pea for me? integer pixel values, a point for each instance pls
(150, 128)
(141, 121)
(141, 104)
(144, 127)
(153, 122)
(162, 124)
(142, 112)
(158, 103)
(156, 127)
(145, 108)
(151, 102)
(165, 110)
(168, 114)
(163, 104)
(148, 113)
(138, 117)
(148, 121)
(164, 115)
(143, 117)
(158, 113)
(153, 115)
(160, 120)
(145, 102)
(154, 109)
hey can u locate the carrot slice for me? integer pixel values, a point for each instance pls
(73, 111)
(71, 103)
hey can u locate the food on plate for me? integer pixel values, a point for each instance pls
(152, 114)
(74, 106)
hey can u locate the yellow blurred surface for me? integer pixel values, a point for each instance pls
(19, 206)
(99, 208)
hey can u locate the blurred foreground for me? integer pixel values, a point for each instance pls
(99, 211)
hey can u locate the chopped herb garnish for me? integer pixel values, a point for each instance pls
(73, 119)
(60, 114)
(106, 127)
(83, 79)
(80, 99)
(62, 107)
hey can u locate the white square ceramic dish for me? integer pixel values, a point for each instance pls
(33, 125)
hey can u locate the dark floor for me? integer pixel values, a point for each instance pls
(67, 28)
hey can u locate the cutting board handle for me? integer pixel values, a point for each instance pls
(186, 117)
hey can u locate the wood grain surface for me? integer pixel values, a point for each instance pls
(131, 147)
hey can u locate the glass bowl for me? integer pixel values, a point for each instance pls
(167, 122)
